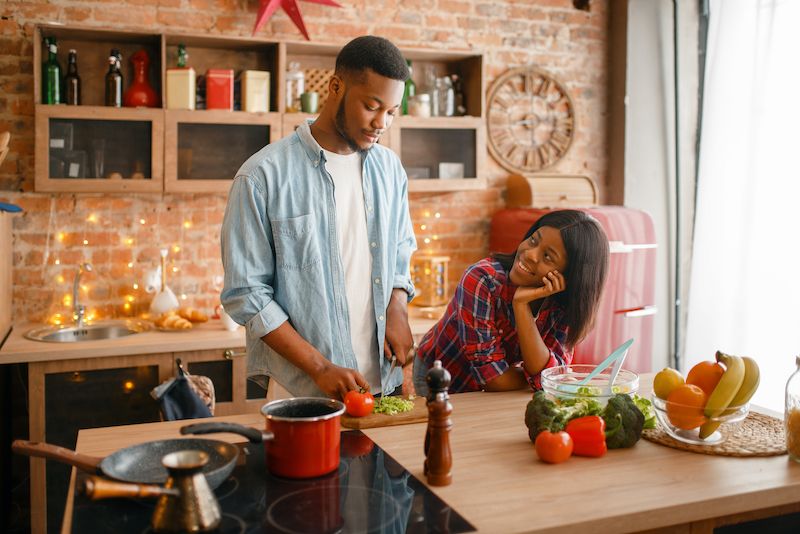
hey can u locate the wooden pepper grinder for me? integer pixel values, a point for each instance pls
(438, 458)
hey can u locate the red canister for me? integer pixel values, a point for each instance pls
(219, 89)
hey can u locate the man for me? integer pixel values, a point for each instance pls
(317, 239)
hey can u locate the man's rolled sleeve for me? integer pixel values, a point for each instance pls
(267, 320)
(249, 261)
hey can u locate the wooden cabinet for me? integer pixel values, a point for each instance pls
(93, 148)
(205, 148)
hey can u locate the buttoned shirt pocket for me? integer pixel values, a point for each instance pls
(296, 242)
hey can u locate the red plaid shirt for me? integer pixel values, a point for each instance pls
(476, 340)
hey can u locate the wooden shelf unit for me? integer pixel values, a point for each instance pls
(239, 53)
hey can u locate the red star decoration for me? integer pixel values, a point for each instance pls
(268, 8)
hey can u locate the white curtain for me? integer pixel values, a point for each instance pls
(744, 295)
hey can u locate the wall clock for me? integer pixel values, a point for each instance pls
(531, 120)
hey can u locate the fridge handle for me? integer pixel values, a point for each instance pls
(643, 311)
(620, 247)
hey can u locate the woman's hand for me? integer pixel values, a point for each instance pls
(554, 282)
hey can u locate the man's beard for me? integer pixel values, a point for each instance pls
(341, 120)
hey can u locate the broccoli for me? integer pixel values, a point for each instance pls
(646, 407)
(542, 414)
(624, 422)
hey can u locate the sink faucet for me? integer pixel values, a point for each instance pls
(78, 310)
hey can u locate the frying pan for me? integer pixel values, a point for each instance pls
(140, 463)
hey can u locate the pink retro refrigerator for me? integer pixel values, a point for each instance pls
(627, 305)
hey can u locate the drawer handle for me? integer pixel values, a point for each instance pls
(230, 354)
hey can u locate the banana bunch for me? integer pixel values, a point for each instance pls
(735, 388)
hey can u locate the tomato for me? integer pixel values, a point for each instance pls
(359, 404)
(553, 447)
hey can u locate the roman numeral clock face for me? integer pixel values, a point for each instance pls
(531, 120)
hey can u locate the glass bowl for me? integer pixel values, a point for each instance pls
(728, 422)
(562, 382)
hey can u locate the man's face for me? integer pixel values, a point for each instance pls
(367, 108)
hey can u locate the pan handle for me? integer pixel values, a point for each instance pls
(252, 434)
(97, 488)
(84, 462)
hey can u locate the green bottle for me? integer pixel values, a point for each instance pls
(51, 74)
(183, 56)
(410, 91)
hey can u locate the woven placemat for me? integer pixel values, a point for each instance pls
(757, 435)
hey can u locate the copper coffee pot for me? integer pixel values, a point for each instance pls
(186, 503)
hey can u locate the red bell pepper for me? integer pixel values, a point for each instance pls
(588, 435)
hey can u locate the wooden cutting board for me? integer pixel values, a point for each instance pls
(418, 415)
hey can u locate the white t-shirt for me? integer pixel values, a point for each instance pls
(351, 229)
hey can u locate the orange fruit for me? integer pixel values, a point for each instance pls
(705, 375)
(685, 406)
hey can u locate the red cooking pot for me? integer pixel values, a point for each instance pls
(302, 435)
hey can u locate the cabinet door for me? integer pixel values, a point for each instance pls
(99, 149)
(205, 148)
(66, 396)
(440, 153)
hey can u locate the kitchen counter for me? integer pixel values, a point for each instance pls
(499, 485)
(204, 336)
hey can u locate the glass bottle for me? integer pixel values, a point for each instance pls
(72, 82)
(458, 89)
(295, 86)
(792, 414)
(446, 96)
(114, 80)
(183, 56)
(410, 91)
(51, 74)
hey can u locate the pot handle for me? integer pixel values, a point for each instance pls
(84, 462)
(97, 488)
(252, 434)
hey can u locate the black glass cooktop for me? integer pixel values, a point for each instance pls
(370, 493)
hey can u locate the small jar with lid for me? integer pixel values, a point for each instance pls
(420, 105)
(792, 414)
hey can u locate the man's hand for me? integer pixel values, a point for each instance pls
(336, 381)
(399, 340)
(333, 380)
(553, 283)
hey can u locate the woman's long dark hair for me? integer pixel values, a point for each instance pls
(587, 264)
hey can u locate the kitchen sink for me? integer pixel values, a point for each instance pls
(88, 332)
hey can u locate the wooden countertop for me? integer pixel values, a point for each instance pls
(205, 336)
(499, 485)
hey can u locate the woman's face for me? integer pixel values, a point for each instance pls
(538, 255)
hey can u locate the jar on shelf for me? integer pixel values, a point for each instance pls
(792, 414)
(295, 86)
(420, 105)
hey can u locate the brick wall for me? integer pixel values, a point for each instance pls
(50, 236)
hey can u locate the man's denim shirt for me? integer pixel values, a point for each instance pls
(281, 254)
